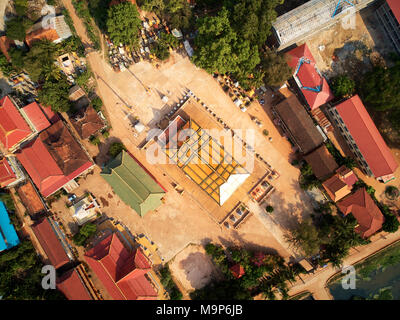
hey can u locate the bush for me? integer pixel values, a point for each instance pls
(392, 192)
(85, 233)
(343, 86)
(265, 132)
(106, 134)
(97, 103)
(269, 209)
(94, 140)
(169, 284)
(391, 223)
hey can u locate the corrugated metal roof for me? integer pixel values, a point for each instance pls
(8, 235)
(133, 184)
(367, 137)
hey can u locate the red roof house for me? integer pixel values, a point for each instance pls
(53, 159)
(13, 127)
(72, 286)
(36, 116)
(50, 243)
(340, 185)
(121, 271)
(364, 210)
(312, 84)
(7, 175)
(367, 137)
(237, 271)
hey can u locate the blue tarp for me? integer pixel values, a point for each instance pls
(8, 235)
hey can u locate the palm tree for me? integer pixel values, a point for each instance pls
(51, 71)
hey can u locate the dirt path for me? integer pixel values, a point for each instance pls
(316, 283)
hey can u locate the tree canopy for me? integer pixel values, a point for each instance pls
(16, 28)
(123, 24)
(37, 60)
(54, 93)
(343, 86)
(218, 48)
(20, 275)
(306, 237)
(275, 67)
(380, 88)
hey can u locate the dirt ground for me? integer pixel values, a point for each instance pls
(182, 219)
(338, 50)
(193, 268)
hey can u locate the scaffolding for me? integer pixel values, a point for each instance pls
(312, 16)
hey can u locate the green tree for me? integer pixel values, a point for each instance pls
(306, 238)
(391, 223)
(276, 69)
(157, 6)
(380, 88)
(17, 58)
(160, 50)
(343, 86)
(97, 103)
(16, 28)
(55, 94)
(123, 24)
(39, 59)
(6, 67)
(85, 233)
(115, 149)
(252, 19)
(178, 13)
(21, 7)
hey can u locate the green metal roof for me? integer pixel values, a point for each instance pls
(132, 183)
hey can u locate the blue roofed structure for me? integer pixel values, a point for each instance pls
(8, 235)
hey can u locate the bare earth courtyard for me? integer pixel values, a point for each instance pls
(183, 218)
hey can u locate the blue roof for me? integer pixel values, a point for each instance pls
(8, 235)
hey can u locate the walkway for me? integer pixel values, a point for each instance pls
(316, 283)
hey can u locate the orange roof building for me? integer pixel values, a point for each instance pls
(364, 210)
(57, 30)
(72, 286)
(367, 145)
(340, 185)
(122, 272)
(311, 83)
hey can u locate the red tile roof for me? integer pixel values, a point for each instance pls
(322, 162)
(72, 286)
(347, 175)
(50, 243)
(5, 46)
(395, 6)
(309, 77)
(121, 271)
(53, 159)
(7, 175)
(364, 210)
(13, 128)
(37, 117)
(367, 137)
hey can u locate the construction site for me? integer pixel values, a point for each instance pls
(304, 21)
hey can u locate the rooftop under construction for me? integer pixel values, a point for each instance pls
(301, 22)
(204, 160)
